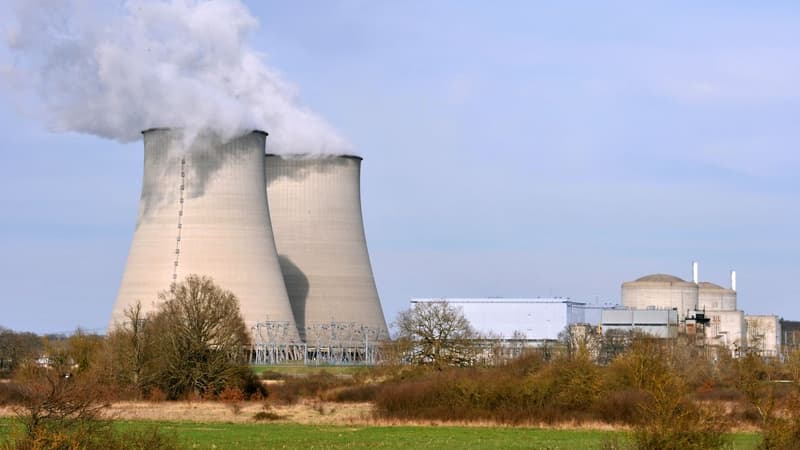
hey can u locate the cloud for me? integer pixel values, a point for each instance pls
(112, 72)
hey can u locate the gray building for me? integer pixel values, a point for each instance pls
(656, 322)
(764, 334)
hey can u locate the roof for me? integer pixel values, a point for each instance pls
(661, 278)
(311, 156)
(453, 300)
(710, 285)
(180, 128)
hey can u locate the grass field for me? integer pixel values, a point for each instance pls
(301, 370)
(255, 436)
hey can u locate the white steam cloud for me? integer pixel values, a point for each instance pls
(112, 71)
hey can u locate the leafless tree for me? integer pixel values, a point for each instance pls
(52, 397)
(196, 340)
(438, 334)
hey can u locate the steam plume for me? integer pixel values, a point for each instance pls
(112, 71)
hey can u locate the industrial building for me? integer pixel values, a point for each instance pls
(661, 323)
(661, 291)
(764, 334)
(790, 336)
(203, 210)
(714, 306)
(726, 325)
(531, 319)
(315, 211)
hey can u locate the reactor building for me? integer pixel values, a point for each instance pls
(315, 211)
(724, 325)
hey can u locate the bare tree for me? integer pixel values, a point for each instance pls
(53, 398)
(581, 340)
(438, 334)
(197, 340)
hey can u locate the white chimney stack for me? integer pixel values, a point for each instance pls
(733, 280)
(694, 272)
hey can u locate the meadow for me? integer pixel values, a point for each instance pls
(282, 435)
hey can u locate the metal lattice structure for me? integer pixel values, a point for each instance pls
(276, 342)
(327, 343)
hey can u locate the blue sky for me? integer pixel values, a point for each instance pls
(511, 149)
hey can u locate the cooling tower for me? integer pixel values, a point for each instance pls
(315, 207)
(203, 210)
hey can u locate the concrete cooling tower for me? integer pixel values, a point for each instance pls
(203, 210)
(315, 207)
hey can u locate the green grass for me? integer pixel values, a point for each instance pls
(268, 435)
(296, 370)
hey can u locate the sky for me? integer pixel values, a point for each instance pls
(514, 149)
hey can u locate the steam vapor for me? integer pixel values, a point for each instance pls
(113, 70)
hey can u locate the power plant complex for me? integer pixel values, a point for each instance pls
(283, 233)
(659, 305)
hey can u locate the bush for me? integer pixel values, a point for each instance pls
(10, 393)
(314, 386)
(355, 394)
(266, 415)
(781, 434)
(95, 435)
(272, 375)
(682, 425)
(621, 406)
(528, 390)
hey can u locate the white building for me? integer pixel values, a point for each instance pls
(764, 334)
(533, 319)
(727, 329)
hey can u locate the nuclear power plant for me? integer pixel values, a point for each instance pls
(709, 305)
(207, 208)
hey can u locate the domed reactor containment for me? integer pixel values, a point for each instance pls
(315, 210)
(203, 210)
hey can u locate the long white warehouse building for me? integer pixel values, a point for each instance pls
(533, 319)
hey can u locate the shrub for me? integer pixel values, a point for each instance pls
(361, 393)
(781, 434)
(10, 393)
(272, 375)
(621, 406)
(94, 435)
(266, 415)
(315, 386)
